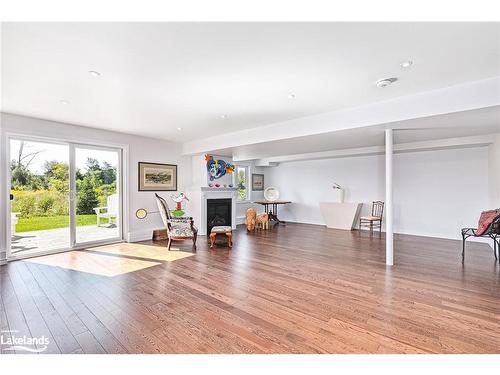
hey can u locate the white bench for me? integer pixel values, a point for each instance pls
(109, 212)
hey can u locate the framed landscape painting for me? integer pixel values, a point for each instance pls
(157, 177)
(257, 182)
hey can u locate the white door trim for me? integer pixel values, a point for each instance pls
(89, 143)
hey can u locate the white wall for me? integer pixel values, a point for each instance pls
(494, 172)
(435, 192)
(139, 149)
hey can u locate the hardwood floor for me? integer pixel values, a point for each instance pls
(293, 289)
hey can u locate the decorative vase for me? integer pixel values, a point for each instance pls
(340, 195)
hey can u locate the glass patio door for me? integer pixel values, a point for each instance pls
(64, 195)
(97, 194)
(40, 190)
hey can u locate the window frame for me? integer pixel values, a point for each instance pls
(247, 182)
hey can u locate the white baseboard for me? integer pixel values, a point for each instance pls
(240, 220)
(139, 236)
(411, 233)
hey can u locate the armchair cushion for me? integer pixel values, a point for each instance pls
(485, 220)
(181, 231)
(181, 220)
(221, 229)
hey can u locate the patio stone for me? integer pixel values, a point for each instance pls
(54, 239)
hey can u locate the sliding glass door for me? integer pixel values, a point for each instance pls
(97, 194)
(63, 195)
(40, 192)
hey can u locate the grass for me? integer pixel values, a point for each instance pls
(52, 222)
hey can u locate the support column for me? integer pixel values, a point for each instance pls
(389, 234)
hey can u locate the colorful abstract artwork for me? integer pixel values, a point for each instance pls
(216, 168)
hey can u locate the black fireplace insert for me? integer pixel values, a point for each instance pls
(218, 213)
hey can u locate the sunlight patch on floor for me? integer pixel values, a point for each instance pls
(98, 264)
(147, 252)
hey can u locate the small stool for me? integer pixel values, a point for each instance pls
(227, 230)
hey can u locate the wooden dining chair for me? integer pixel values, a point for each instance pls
(375, 219)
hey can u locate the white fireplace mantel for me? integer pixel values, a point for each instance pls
(198, 204)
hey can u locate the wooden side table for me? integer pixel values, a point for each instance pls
(227, 230)
(273, 212)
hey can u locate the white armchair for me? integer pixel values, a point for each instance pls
(110, 211)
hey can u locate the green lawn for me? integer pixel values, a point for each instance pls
(52, 222)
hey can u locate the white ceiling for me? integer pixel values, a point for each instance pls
(157, 77)
(459, 124)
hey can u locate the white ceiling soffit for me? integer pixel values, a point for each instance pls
(157, 78)
(459, 124)
(461, 98)
(436, 144)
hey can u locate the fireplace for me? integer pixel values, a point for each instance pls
(219, 212)
(201, 200)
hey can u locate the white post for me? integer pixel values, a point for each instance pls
(389, 235)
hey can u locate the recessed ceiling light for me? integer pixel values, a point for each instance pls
(291, 96)
(94, 73)
(223, 116)
(386, 82)
(406, 64)
(179, 129)
(64, 102)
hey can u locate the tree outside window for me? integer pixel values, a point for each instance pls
(242, 183)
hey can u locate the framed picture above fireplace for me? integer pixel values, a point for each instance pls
(157, 177)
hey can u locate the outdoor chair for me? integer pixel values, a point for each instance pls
(110, 211)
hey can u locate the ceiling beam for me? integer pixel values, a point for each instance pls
(439, 144)
(463, 97)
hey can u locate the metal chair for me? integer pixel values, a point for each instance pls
(493, 232)
(375, 219)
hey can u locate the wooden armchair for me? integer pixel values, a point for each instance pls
(178, 228)
(375, 220)
(491, 231)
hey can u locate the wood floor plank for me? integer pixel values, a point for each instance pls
(92, 324)
(13, 312)
(4, 324)
(89, 344)
(132, 339)
(68, 316)
(293, 289)
(34, 319)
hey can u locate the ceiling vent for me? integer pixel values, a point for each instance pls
(386, 82)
